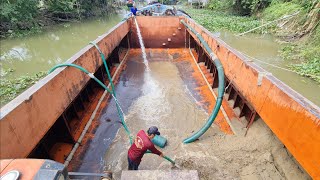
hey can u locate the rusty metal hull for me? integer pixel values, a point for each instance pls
(26, 119)
(156, 31)
(296, 121)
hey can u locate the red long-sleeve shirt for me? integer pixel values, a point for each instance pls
(140, 146)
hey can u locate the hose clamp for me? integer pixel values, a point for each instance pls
(91, 75)
(212, 56)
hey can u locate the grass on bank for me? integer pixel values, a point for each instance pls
(307, 55)
(11, 88)
(216, 21)
(304, 54)
(302, 33)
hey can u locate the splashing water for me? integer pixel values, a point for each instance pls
(143, 49)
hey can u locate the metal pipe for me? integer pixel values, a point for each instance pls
(217, 106)
(105, 174)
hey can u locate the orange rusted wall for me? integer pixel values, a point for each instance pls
(27, 168)
(294, 119)
(26, 119)
(156, 31)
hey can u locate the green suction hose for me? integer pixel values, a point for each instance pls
(170, 160)
(114, 93)
(215, 111)
(112, 86)
(107, 89)
(101, 84)
(83, 70)
(106, 66)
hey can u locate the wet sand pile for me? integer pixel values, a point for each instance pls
(167, 103)
(259, 155)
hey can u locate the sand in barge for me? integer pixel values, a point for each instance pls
(178, 95)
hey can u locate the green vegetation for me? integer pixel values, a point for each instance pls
(239, 7)
(19, 15)
(10, 88)
(278, 10)
(307, 54)
(23, 17)
(301, 32)
(214, 20)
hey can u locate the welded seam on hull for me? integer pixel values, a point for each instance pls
(214, 95)
(305, 103)
(93, 115)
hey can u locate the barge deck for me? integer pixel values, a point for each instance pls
(57, 109)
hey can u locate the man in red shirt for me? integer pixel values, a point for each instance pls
(141, 144)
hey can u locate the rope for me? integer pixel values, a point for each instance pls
(263, 62)
(284, 17)
(275, 66)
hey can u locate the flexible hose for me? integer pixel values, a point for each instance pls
(113, 89)
(101, 84)
(218, 64)
(107, 89)
(105, 65)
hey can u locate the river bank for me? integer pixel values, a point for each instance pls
(299, 34)
(26, 60)
(23, 58)
(26, 17)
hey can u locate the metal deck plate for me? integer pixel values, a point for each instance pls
(159, 175)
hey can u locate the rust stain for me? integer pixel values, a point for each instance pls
(294, 120)
(207, 99)
(49, 99)
(27, 168)
(95, 123)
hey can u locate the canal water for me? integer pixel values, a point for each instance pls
(160, 97)
(29, 55)
(40, 52)
(266, 48)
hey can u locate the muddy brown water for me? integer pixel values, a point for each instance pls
(161, 97)
(42, 51)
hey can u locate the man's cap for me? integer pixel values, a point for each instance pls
(153, 130)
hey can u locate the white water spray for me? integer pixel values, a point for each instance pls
(143, 49)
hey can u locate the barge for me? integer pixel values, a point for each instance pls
(69, 118)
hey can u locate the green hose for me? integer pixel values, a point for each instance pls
(101, 84)
(107, 89)
(106, 66)
(165, 157)
(112, 86)
(170, 160)
(82, 69)
(215, 111)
